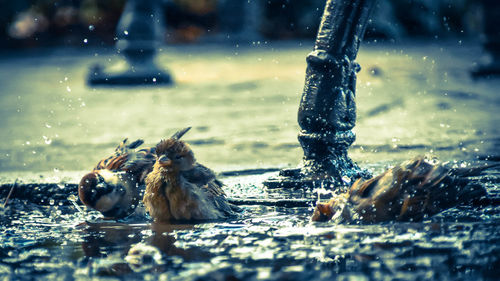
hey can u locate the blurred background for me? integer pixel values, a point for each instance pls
(35, 23)
(238, 69)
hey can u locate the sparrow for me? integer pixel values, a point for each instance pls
(180, 189)
(410, 191)
(113, 187)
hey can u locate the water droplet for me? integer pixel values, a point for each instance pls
(47, 140)
(48, 125)
(346, 179)
(154, 79)
(68, 89)
(51, 202)
(125, 32)
(85, 40)
(91, 27)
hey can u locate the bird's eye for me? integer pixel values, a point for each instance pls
(178, 156)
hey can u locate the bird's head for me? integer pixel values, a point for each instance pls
(336, 209)
(174, 154)
(322, 212)
(111, 193)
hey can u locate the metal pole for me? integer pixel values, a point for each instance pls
(491, 41)
(327, 110)
(138, 32)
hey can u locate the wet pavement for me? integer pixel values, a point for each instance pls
(413, 98)
(59, 241)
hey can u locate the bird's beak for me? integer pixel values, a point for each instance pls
(101, 183)
(105, 187)
(164, 161)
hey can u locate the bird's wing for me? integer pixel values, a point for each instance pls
(126, 159)
(432, 187)
(199, 175)
(203, 176)
(381, 187)
(214, 190)
(139, 160)
(140, 163)
(112, 163)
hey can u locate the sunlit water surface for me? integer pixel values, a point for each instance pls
(60, 242)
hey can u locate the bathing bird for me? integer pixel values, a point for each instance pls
(411, 191)
(180, 189)
(113, 187)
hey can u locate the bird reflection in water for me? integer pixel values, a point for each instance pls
(118, 249)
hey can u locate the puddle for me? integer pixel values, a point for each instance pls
(60, 242)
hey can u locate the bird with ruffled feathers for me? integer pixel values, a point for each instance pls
(113, 187)
(180, 189)
(411, 191)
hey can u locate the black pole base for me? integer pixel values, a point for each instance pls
(130, 76)
(333, 172)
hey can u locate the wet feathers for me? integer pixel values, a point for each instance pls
(408, 192)
(181, 189)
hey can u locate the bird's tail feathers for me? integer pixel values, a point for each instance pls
(123, 147)
(180, 133)
(472, 171)
(135, 144)
(235, 208)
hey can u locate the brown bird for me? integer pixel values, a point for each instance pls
(112, 188)
(179, 188)
(408, 192)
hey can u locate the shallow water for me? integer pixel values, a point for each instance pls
(60, 242)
